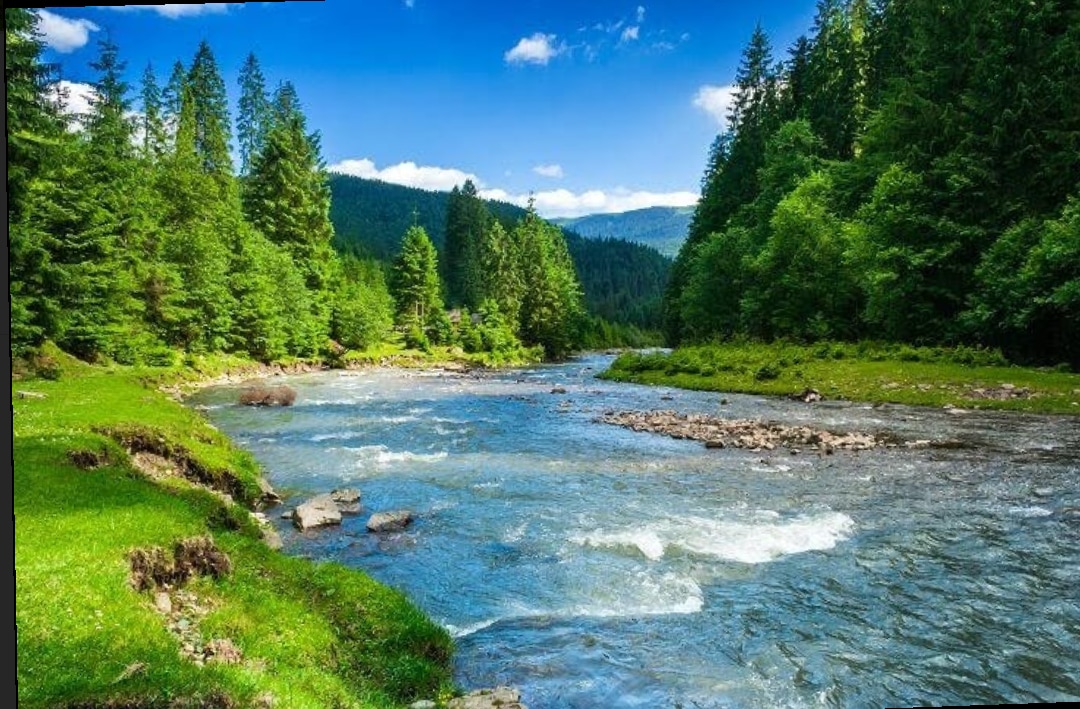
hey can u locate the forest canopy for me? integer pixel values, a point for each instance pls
(908, 171)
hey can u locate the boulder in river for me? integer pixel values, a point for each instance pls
(326, 509)
(389, 521)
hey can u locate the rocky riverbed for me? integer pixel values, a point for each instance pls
(718, 432)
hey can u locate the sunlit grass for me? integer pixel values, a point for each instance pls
(957, 377)
(311, 635)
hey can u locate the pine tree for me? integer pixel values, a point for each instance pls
(551, 301)
(35, 138)
(466, 221)
(172, 97)
(253, 114)
(415, 282)
(154, 141)
(287, 198)
(210, 114)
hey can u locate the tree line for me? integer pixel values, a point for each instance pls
(622, 281)
(133, 235)
(909, 172)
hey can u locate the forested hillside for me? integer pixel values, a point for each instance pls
(908, 171)
(623, 282)
(662, 228)
(133, 236)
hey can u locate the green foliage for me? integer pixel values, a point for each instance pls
(415, 282)
(551, 301)
(370, 217)
(363, 308)
(857, 371)
(943, 143)
(86, 637)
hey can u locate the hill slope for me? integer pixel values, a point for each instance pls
(623, 281)
(663, 228)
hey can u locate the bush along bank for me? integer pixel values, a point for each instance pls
(146, 577)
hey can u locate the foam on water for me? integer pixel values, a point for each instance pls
(761, 538)
(380, 455)
(627, 596)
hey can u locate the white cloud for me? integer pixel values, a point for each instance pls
(75, 98)
(555, 171)
(406, 173)
(549, 204)
(538, 49)
(640, 14)
(564, 203)
(64, 34)
(629, 34)
(715, 101)
(175, 11)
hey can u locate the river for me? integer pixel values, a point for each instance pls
(593, 566)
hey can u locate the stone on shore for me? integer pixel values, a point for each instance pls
(497, 698)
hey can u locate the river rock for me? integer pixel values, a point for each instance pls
(719, 432)
(325, 509)
(389, 521)
(319, 511)
(347, 499)
(497, 698)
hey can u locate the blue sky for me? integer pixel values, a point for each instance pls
(591, 107)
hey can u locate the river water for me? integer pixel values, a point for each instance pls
(593, 566)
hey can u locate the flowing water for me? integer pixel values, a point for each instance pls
(593, 566)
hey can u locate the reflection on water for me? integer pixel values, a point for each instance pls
(593, 566)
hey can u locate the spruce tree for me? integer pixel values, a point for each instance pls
(253, 114)
(415, 282)
(210, 113)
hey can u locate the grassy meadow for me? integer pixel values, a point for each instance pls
(288, 632)
(968, 378)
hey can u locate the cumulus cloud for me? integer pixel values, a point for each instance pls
(176, 11)
(64, 34)
(551, 204)
(555, 171)
(537, 49)
(630, 34)
(715, 101)
(640, 14)
(74, 99)
(406, 173)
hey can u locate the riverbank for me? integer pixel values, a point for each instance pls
(143, 572)
(959, 379)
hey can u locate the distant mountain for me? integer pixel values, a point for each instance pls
(663, 228)
(623, 280)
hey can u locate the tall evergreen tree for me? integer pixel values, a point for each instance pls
(210, 114)
(35, 140)
(415, 281)
(253, 114)
(154, 140)
(467, 219)
(551, 301)
(287, 198)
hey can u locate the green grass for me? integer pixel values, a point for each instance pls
(312, 634)
(866, 372)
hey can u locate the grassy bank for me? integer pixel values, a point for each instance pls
(232, 623)
(959, 377)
